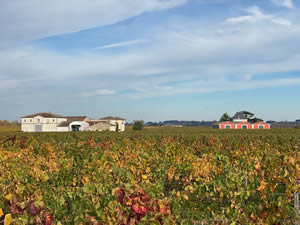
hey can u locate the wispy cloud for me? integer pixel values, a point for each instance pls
(256, 15)
(193, 59)
(8, 84)
(211, 86)
(98, 92)
(34, 19)
(121, 44)
(285, 3)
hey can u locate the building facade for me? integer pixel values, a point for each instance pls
(243, 120)
(50, 122)
(119, 123)
(41, 122)
(243, 125)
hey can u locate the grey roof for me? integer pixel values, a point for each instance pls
(75, 118)
(241, 115)
(64, 124)
(44, 114)
(94, 122)
(71, 119)
(111, 118)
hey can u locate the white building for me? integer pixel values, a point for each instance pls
(119, 123)
(50, 122)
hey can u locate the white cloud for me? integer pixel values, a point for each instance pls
(7, 84)
(22, 21)
(285, 3)
(213, 85)
(98, 92)
(195, 59)
(122, 44)
(256, 15)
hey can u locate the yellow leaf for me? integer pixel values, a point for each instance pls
(262, 186)
(7, 219)
(148, 170)
(9, 197)
(1, 212)
(221, 194)
(45, 178)
(132, 168)
(145, 177)
(185, 197)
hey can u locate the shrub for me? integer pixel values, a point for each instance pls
(138, 125)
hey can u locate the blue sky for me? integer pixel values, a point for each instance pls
(150, 59)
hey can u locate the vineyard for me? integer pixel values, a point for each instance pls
(152, 177)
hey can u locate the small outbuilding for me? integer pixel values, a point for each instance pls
(118, 122)
(97, 125)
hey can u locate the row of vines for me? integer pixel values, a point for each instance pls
(136, 179)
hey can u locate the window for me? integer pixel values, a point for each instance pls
(261, 127)
(53, 120)
(30, 120)
(24, 120)
(227, 127)
(244, 127)
(38, 120)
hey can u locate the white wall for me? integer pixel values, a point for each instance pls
(83, 125)
(48, 124)
(62, 129)
(121, 124)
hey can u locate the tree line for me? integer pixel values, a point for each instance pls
(7, 123)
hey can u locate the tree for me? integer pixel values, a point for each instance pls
(138, 125)
(14, 122)
(225, 117)
(4, 122)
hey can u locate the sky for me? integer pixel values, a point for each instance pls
(153, 60)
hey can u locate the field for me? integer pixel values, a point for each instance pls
(155, 176)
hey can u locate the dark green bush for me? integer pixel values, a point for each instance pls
(138, 125)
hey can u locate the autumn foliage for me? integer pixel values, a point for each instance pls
(148, 179)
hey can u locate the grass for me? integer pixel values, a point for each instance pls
(10, 128)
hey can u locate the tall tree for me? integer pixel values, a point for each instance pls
(225, 117)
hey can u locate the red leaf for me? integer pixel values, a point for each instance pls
(33, 210)
(48, 219)
(120, 195)
(15, 209)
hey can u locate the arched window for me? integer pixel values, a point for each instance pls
(261, 127)
(227, 127)
(244, 127)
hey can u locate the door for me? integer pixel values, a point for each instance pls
(76, 128)
(38, 128)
